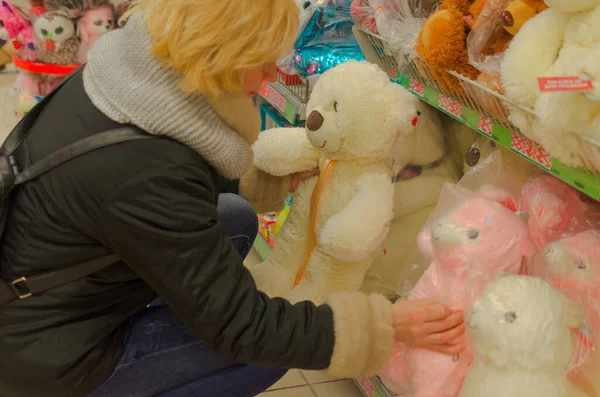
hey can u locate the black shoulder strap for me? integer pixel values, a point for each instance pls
(23, 287)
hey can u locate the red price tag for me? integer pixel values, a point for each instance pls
(557, 84)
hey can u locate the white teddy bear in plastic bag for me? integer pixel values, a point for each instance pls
(521, 333)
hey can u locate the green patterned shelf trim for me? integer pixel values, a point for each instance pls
(582, 180)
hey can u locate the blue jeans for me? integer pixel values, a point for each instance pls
(164, 358)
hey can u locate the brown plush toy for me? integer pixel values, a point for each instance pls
(441, 42)
(519, 12)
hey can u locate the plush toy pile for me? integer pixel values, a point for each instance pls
(524, 268)
(543, 55)
(53, 32)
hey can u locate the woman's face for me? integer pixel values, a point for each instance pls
(254, 78)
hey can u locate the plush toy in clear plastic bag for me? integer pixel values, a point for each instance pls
(555, 210)
(397, 21)
(519, 329)
(469, 235)
(572, 265)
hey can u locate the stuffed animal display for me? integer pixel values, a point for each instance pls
(15, 27)
(560, 42)
(521, 332)
(58, 31)
(477, 236)
(328, 241)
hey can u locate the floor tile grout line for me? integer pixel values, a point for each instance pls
(311, 388)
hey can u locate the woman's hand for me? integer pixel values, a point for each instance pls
(428, 324)
(298, 177)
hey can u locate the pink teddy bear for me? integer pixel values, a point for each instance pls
(554, 208)
(16, 27)
(572, 265)
(482, 235)
(92, 25)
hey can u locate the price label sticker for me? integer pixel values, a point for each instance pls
(561, 84)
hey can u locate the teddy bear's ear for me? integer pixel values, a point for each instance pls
(402, 109)
(501, 196)
(573, 313)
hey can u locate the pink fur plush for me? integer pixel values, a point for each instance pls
(15, 27)
(572, 265)
(554, 209)
(94, 24)
(481, 235)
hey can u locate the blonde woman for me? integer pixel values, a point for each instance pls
(182, 71)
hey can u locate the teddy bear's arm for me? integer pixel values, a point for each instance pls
(284, 151)
(532, 52)
(362, 225)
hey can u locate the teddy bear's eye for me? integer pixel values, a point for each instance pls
(581, 265)
(335, 106)
(493, 144)
(510, 317)
(97, 22)
(44, 32)
(473, 234)
(306, 4)
(59, 30)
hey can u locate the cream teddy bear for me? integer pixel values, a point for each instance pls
(422, 165)
(563, 41)
(521, 328)
(356, 119)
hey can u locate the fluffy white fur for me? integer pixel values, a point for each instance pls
(562, 41)
(365, 115)
(522, 340)
(414, 201)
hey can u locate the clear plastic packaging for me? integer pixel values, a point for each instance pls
(555, 210)
(470, 238)
(324, 41)
(488, 38)
(519, 329)
(572, 265)
(397, 21)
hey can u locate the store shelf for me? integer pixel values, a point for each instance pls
(490, 121)
(373, 387)
(286, 103)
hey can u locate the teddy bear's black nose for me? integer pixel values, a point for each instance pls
(314, 121)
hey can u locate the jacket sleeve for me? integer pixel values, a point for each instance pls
(164, 225)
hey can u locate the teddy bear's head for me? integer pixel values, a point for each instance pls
(554, 208)
(573, 5)
(519, 12)
(482, 229)
(356, 113)
(523, 322)
(572, 264)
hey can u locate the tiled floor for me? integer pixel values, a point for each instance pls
(295, 383)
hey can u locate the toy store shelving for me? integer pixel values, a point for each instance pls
(490, 120)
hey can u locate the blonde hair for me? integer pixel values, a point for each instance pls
(213, 42)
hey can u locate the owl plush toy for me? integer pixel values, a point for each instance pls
(57, 35)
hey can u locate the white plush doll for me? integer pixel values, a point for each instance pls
(521, 332)
(422, 166)
(563, 41)
(356, 119)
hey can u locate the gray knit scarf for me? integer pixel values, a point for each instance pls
(130, 86)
